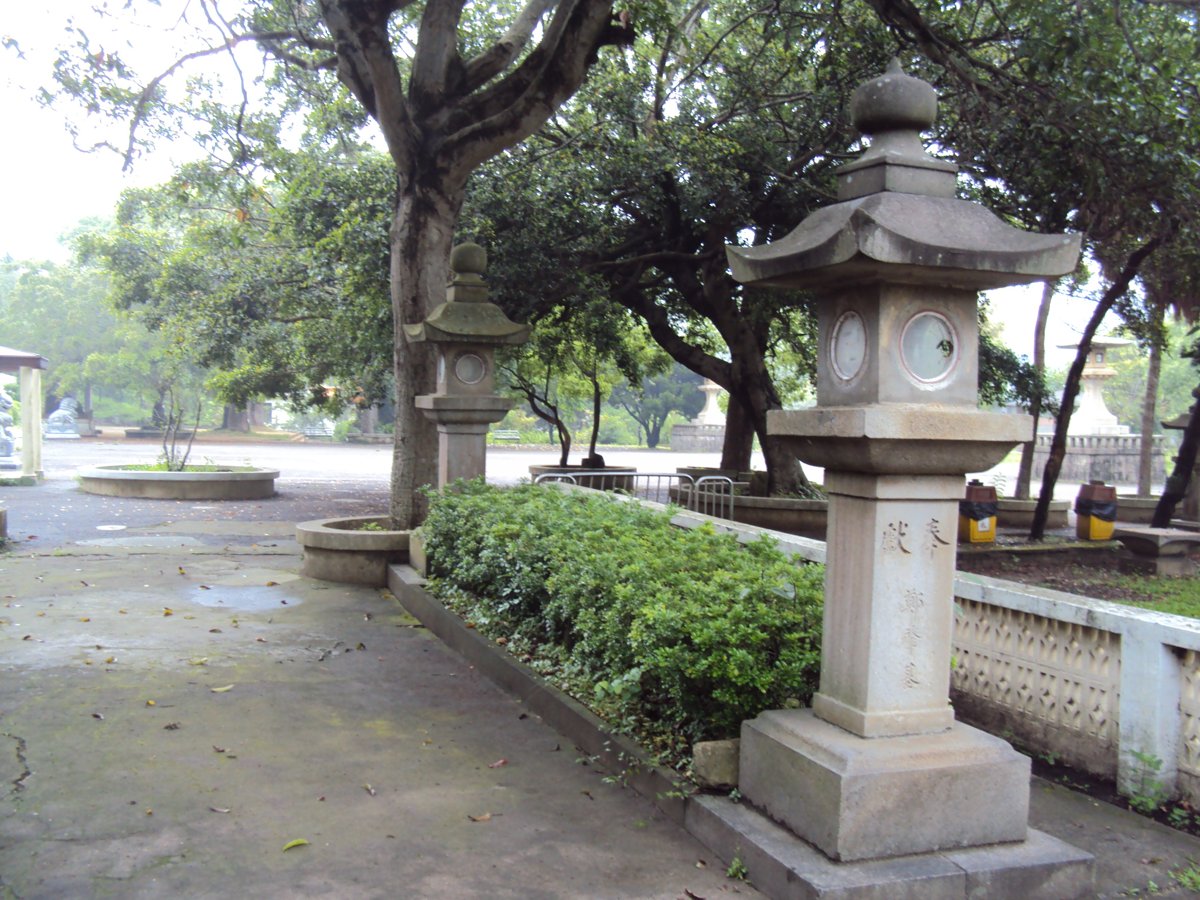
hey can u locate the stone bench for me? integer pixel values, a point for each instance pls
(511, 435)
(1160, 551)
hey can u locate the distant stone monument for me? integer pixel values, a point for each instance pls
(7, 445)
(879, 767)
(61, 424)
(1099, 448)
(706, 432)
(465, 330)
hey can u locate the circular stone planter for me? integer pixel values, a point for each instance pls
(340, 550)
(234, 483)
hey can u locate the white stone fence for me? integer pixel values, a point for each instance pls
(1092, 684)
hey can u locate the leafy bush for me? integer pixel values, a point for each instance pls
(686, 629)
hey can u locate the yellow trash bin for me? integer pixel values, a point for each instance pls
(977, 514)
(1095, 511)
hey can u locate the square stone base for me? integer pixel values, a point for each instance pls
(784, 867)
(858, 798)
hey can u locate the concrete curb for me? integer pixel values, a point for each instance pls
(779, 864)
(567, 716)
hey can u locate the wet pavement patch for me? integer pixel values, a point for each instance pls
(248, 598)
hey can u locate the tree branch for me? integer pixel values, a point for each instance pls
(487, 65)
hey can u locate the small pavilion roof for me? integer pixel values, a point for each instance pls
(14, 360)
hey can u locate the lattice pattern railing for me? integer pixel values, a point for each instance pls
(1055, 684)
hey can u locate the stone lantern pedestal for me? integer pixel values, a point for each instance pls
(879, 767)
(466, 330)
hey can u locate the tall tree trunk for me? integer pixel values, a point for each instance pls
(1058, 445)
(1025, 473)
(1150, 407)
(421, 239)
(1185, 463)
(597, 405)
(738, 444)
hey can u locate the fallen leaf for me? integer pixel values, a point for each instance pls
(85, 618)
(84, 583)
(367, 617)
(172, 726)
(588, 794)
(198, 661)
(204, 587)
(298, 842)
(111, 659)
(149, 811)
(272, 583)
(701, 864)
(260, 640)
(361, 646)
(501, 641)
(283, 602)
(220, 809)
(28, 637)
(218, 749)
(214, 631)
(151, 703)
(167, 611)
(181, 571)
(222, 690)
(498, 763)
(122, 612)
(691, 895)
(97, 716)
(484, 818)
(370, 790)
(41, 614)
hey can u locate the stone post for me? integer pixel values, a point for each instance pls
(466, 330)
(31, 424)
(879, 767)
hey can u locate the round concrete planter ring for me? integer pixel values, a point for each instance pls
(234, 483)
(341, 550)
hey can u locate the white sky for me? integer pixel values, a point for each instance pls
(48, 186)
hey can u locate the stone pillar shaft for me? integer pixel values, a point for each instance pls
(888, 620)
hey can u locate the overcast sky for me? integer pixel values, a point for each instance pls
(49, 186)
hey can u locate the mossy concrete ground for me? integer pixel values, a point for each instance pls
(177, 706)
(103, 795)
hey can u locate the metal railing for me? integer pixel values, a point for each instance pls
(710, 495)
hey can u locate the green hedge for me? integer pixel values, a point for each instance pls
(685, 631)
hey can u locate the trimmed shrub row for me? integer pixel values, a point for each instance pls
(685, 630)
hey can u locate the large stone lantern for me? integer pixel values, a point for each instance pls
(466, 330)
(879, 766)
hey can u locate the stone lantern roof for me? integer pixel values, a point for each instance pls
(467, 316)
(898, 219)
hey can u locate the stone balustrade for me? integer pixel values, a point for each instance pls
(1090, 683)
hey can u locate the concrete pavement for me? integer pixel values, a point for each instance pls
(177, 706)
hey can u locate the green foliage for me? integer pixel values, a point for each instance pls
(1150, 793)
(737, 869)
(683, 628)
(1125, 392)
(1189, 878)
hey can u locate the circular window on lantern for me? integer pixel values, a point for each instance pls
(848, 345)
(470, 368)
(929, 347)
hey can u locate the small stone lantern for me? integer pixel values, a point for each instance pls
(466, 330)
(879, 767)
